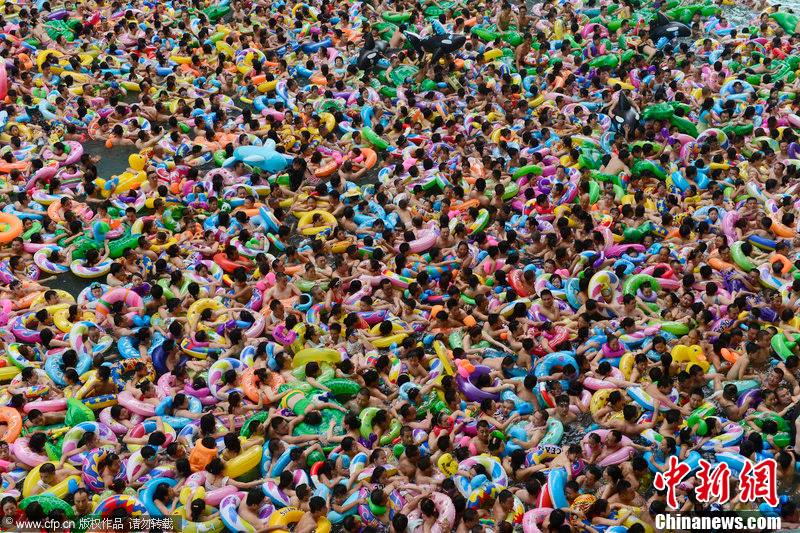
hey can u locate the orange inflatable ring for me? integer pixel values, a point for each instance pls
(326, 170)
(294, 269)
(718, 264)
(113, 223)
(782, 230)
(225, 138)
(54, 211)
(288, 304)
(367, 159)
(370, 157)
(13, 421)
(464, 206)
(229, 266)
(26, 61)
(250, 212)
(249, 381)
(729, 355)
(210, 146)
(352, 35)
(13, 230)
(189, 69)
(22, 166)
(783, 260)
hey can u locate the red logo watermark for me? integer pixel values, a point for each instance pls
(756, 481)
(714, 484)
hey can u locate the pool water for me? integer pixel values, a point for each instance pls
(573, 433)
(114, 161)
(111, 162)
(740, 14)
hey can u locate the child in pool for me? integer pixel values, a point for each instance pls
(215, 479)
(88, 442)
(50, 476)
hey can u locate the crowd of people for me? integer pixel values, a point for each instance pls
(395, 266)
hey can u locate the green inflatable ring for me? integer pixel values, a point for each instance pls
(740, 130)
(638, 233)
(510, 191)
(787, 21)
(741, 260)
(632, 284)
(783, 346)
(77, 412)
(342, 386)
(646, 165)
(36, 227)
(117, 247)
(49, 503)
(260, 416)
(700, 413)
(366, 417)
(394, 432)
(441, 8)
(214, 13)
(512, 37)
(591, 159)
(535, 170)
(686, 126)
(396, 17)
(657, 112)
(455, 340)
(676, 328)
(171, 217)
(594, 192)
(607, 61)
(398, 450)
(327, 415)
(373, 138)
(484, 33)
(315, 457)
(399, 75)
